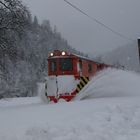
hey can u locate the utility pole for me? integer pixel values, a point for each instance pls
(139, 49)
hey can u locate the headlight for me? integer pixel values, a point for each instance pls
(51, 54)
(63, 53)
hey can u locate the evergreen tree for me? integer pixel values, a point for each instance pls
(24, 48)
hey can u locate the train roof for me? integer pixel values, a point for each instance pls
(72, 55)
(84, 57)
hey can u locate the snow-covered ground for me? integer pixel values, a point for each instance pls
(110, 111)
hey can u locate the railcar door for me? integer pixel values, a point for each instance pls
(52, 86)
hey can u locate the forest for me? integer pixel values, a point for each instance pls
(24, 48)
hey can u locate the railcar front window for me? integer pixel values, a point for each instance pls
(53, 65)
(66, 64)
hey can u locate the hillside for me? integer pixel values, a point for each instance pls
(126, 56)
(102, 115)
(24, 48)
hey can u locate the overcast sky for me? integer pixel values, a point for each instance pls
(84, 34)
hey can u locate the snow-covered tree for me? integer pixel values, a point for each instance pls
(24, 48)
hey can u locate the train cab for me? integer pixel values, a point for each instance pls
(62, 63)
(68, 74)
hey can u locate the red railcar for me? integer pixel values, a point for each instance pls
(68, 73)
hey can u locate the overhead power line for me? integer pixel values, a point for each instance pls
(97, 21)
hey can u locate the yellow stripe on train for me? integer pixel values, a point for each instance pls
(83, 81)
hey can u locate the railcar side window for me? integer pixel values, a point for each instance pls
(66, 64)
(53, 65)
(89, 68)
(80, 64)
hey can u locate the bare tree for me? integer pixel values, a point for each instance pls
(13, 19)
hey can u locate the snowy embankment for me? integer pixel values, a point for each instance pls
(112, 83)
(101, 118)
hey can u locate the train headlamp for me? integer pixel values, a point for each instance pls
(51, 54)
(63, 53)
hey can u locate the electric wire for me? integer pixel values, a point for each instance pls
(97, 21)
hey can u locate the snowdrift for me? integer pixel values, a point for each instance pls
(103, 117)
(112, 83)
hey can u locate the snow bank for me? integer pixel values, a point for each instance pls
(98, 118)
(112, 83)
(22, 101)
